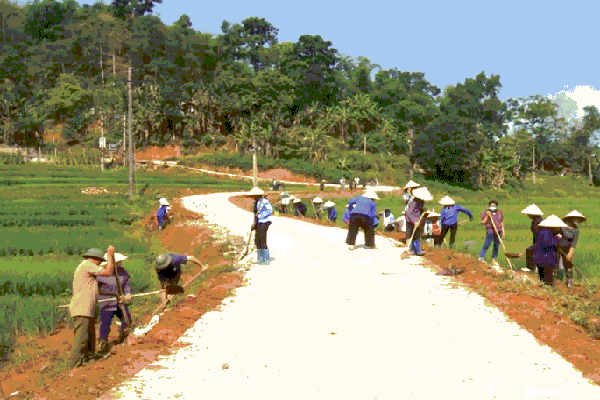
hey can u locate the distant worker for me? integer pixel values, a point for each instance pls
(415, 219)
(388, 220)
(363, 214)
(162, 215)
(346, 215)
(262, 220)
(331, 212)
(322, 187)
(83, 303)
(299, 208)
(570, 237)
(168, 268)
(433, 230)
(407, 195)
(108, 289)
(356, 182)
(317, 202)
(342, 183)
(493, 220)
(535, 214)
(449, 220)
(545, 249)
(284, 201)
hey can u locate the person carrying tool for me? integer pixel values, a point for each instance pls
(363, 212)
(415, 219)
(535, 214)
(570, 237)
(316, 203)
(107, 289)
(262, 220)
(545, 249)
(83, 303)
(407, 195)
(299, 208)
(449, 220)
(331, 212)
(168, 268)
(162, 215)
(493, 220)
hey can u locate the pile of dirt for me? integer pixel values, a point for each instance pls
(158, 153)
(285, 175)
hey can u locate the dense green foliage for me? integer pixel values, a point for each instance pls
(63, 79)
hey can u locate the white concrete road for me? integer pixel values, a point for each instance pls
(322, 322)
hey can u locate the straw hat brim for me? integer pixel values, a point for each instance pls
(447, 201)
(553, 222)
(423, 194)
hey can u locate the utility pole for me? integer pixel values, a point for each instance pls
(130, 153)
(533, 165)
(590, 170)
(254, 162)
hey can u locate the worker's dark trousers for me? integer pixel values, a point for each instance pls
(361, 221)
(439, 239)
(260, 239)
(84, 342)
(546, 273)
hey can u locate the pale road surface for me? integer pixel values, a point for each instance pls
(322, 322)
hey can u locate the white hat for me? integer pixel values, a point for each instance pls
(575, 214)
(370, 194)
(411, 184)
(317, 200)
(423, 194)
(256, 191)
(329, 204)
(447, 201)
(433, 214)
(532, 210)
(163, 202)
(553, 222)
(118, 257)
(296, 200)
(347, 205)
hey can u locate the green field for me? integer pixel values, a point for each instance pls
(47, 223)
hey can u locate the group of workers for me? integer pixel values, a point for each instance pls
(101, 276)
(290, 204)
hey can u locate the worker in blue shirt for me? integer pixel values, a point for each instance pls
(161, 215)
(449, 220)
(331, 212)
(363, 214)
(346, 215)
(262, 220)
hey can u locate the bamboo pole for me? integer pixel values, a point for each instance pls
(501, 241)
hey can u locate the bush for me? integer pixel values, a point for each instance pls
(12, 159)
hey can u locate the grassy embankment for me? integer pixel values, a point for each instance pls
(47, 223)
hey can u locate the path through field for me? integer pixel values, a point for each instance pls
(322, 322)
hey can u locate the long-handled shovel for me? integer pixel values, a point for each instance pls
(417, 226)
(583, 278)
(247, 248)
(501, 242)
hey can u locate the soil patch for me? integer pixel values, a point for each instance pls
(158, 153)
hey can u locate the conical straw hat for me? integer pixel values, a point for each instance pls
(329, 204)
(447, 201)
(433, 214)
(575, 214)
(532, 210)
(553, 222)
(317, 200)
(411, 184)
(423, 194)
(256, 191)
(296, 200)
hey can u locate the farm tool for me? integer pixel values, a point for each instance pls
(247, 248)
(417, 227)
(502, 243)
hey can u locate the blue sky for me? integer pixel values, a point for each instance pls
(537, 47)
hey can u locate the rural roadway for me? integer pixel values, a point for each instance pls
(323, 322)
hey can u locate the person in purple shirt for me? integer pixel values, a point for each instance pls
(449, 220)
(489, 215)
(168, 268)
(363, 212)
(415, 219)
(107, 289)
(545, 253)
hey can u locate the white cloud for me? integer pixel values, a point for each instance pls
(583, 95)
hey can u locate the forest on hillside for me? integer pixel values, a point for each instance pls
(64, 79)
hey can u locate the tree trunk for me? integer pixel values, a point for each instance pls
(533, 166)
(365, 145)
(410, 153)
(114, 63)
(590, 170)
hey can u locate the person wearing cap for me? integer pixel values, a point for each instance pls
(284, 202)
(432, 227)
(322, 186)
(331, 212)
(407, 195)
(299, 208)
(414, 218)
(262, 220)
(83, 303)
(535, 214)
(317, 202)
(346, 215)
(161, 215)
(363, 214)
(545, 249)
(108, 289)
(168, 269)
(492, 217)
(570, 237)
(449, 220)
